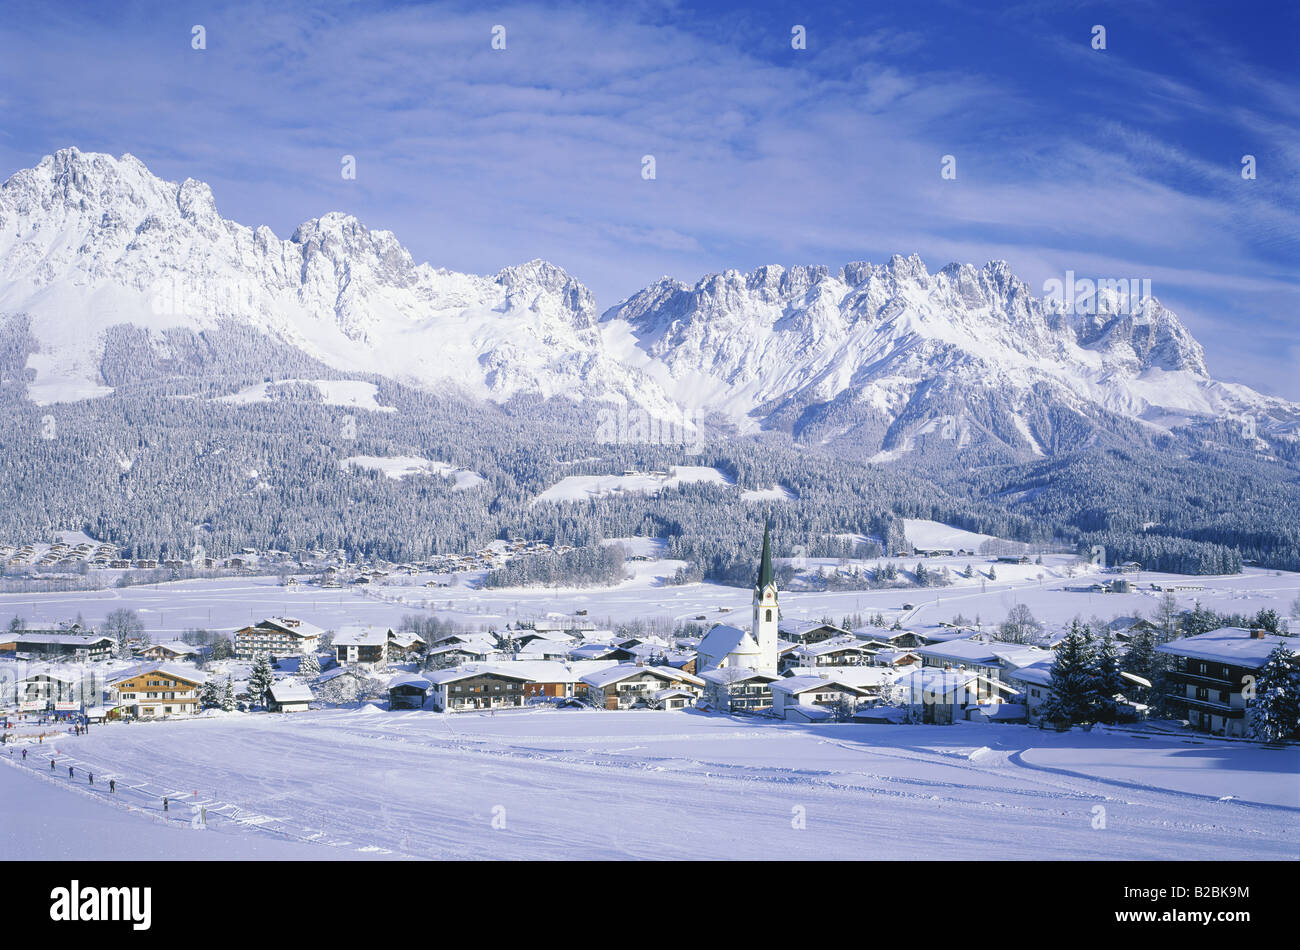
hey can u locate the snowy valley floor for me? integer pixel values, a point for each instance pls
(608, 785)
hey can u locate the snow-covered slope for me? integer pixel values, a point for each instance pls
(887, 356)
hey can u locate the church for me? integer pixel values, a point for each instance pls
(755, 649)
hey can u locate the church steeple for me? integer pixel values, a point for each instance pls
(765, 574)
(766, 610)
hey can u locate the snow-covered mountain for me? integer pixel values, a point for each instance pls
(887, 356)
(891, 353)
(88, 241)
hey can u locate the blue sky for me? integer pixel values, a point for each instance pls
(1118, 163)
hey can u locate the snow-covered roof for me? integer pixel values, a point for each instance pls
(794, 685)
(1233, 646)
(893, 656)
(468, 672)
(797, 628)
(833, 645)
(73, 639)
(963, 650)
(409, 679)
(405, 638)
(729, 675)
(941, 682)
(1017, 655)
(290, 691)
(725, 639)
(809, 713)
(479, 647)
(293, 625)
(622, 671)
(361, 637)
(543, 647)
(670, 692)
(863, 677)
(179, 647)
(1039, 674)
(165, 669)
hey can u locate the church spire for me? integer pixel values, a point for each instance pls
(765, 574)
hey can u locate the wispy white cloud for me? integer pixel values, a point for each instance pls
(479, 158)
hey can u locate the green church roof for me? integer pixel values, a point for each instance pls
(765, 574)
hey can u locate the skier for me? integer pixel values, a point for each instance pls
(164, 804)
(51, 764)
(112, 785)
(92, 778)
(69, 771)
(24, 755)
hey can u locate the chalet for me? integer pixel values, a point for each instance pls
(155, 691)
(737, 689)
(992, 660)
(288, 696)
(807, 632)
(896, 658)
(602, 651)
(673, 697)
(403, 644)
(408, 691)
(277, 636)
(1126, 628)
(539, 648)
(942, 696)
(70, 644)
(896, 639)
(1209, 674)
(172, 650)
(1012, 559)
(875, 681)
(362, 645)
(472, 687)
(792, 698)
(553, 679)
(480, 650)
(627, 685)
(845, 650)
(1035, 685)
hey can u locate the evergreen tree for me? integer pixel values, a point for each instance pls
(1275, 711)
(1141, 659)
(1071, 699)
(1200, 620)
(209, 695)
(260, 680)
(228, 696)
(1106, 681)
(308, 668)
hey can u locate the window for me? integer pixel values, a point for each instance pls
(768, 616)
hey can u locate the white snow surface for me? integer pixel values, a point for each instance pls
(633, 784)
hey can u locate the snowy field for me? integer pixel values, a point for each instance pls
(398, 467)
(351, 393)
(227, 604)
(608, 785)
(582, 487)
